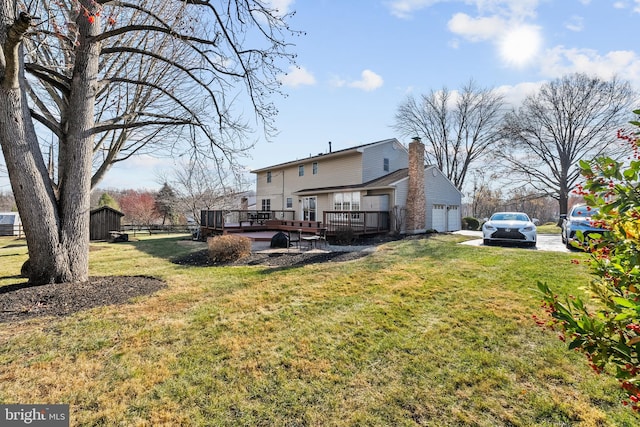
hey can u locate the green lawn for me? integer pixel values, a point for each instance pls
(549, 228)
(423, 332)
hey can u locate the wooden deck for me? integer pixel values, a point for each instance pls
(334, 225)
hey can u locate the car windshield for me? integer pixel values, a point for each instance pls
(509, 217)
(584, 211)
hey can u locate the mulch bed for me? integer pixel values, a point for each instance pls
(23, 301)
(279, 259)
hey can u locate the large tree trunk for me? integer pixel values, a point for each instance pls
(32, 191)
(76, 153)
(56, 228)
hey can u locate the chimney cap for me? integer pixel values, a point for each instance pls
(416, 138)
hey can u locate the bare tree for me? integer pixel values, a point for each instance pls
(108, 80)
(571, 118)
(198, 187)
(458, 127)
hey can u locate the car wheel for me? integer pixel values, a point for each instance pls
(487, 242)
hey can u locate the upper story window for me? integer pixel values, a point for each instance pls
(301, 170)
(386, 164)
(315, 168)
(268, 176)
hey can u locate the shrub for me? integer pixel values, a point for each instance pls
(608, 333)
(344, 235)
(470, 223)
(228, 248)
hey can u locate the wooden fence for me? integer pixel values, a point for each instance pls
(15, 230)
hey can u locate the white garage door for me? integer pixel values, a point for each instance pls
(439, 218)
(453, 218)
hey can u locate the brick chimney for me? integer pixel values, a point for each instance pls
(416, 200)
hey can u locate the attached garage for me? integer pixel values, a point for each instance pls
(445, 217)
(453, 218)
(439, 218)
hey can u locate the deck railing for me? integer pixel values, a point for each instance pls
(217, 219)
(356, 222)
(335, 222)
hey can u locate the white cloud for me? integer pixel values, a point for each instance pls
(518, 44)
(404, 8)
(517, 9)
(476, 29)
(560, 60)
(625, 5)
(575, 23)
(503, 22)
(514, 95)
(282, 6)
(297, 76)
(369, 81)
(138, 172)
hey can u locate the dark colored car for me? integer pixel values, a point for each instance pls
(579, 219)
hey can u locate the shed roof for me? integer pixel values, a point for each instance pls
(109, 208)
(9, 218)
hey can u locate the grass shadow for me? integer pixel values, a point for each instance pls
(16, 286)
(165, 247)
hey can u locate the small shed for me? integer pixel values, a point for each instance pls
(102, 221)
(10, 224)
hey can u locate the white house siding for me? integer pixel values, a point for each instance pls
(373, 160)
(354, 167)
(440, 192)
(333, 171)
(324, 203)
(443, 201)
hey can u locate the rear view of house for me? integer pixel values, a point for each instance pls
(382, 176)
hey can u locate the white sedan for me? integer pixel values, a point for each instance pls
(509, 227)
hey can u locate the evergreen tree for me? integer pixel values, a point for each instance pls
(166, 203)
(107, 200)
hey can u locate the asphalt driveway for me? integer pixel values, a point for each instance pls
(546, 242)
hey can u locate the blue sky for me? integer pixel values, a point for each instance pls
(360, 59)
